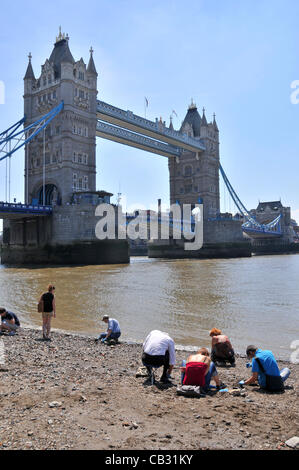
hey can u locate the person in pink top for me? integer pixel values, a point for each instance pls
(222, 350)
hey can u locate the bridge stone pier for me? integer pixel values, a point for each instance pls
(60, 170)
(283, 241)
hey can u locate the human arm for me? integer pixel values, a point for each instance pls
(10, 319)
(208, 362)
(172, 358)
(109, 331)
(54, 307)
(252, 379)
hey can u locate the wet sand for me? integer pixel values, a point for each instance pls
(73, 393)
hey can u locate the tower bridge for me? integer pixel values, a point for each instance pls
(62, 118)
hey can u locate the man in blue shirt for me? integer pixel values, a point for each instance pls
(113, 330)
(264, 363)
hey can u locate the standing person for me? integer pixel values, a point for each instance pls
(113, 330)
(159, 350)
(265, 370)
(47, 300)
(9, 322)
(222, 350)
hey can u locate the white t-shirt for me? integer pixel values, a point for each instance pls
(157, 343)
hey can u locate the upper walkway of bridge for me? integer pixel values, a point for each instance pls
(139, 125)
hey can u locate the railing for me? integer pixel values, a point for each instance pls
(139, 139)
(25, 208)
(157, 127)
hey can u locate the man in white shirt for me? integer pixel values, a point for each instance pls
(159, 350)
(113, 330)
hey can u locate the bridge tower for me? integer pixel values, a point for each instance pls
(63, 160)
(195, 176)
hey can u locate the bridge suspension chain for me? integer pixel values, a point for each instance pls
(251, 222)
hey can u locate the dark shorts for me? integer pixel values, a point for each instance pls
(156, 361)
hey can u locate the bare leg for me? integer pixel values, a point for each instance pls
(48, 326)
(45, 327)
(217, 380)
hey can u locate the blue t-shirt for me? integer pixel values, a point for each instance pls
(268, 362)
(113, 325)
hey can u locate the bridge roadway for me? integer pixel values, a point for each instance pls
(139, 125)
(123, 136)
(21, 211)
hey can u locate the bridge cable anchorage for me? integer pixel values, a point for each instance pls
(17, 137)
(251, 224)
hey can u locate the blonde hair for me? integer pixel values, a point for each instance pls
(204, 352)
(215, 332)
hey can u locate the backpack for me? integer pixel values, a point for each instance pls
(40, 306)
(192, 391)
(273, 383)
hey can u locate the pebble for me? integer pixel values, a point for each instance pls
(55, 404)
(293, 442)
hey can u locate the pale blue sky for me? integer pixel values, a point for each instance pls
(235, 58)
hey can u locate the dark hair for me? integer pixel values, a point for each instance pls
(251, 349)
(2, 310)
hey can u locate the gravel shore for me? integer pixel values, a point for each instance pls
(72, 393)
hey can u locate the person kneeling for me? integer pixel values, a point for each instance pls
(199, 370)
(265, 370)
(9, 322)
(113, 330)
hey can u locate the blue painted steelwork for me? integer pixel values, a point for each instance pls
(156, 130)
(40, 124)
(251, 225)
(25, 209)
(12, 128)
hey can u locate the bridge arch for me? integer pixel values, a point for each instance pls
(52, 195)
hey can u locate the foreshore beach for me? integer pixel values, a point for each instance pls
(73, 393)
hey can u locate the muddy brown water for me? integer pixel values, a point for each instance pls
(253, 300)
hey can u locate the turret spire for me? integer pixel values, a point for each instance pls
(215, 123)
(29, 75)
(203, 119)
(91, 66)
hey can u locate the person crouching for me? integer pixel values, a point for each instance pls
(158, 351)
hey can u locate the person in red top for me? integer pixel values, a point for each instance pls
(200, 370)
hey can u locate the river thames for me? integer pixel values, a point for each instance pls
(252, 300)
